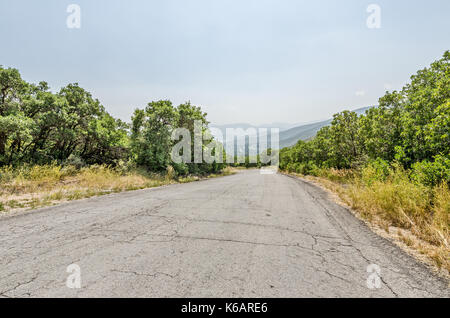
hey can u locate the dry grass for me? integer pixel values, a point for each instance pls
(38, 186)
(416, 215)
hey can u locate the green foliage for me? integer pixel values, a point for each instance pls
(410, 128)
(151, 130)
(74, 161)
(151, 142)
(38, 126)
(375, 170)
(345, 148)
(180, 168)
(432, 172)
(71, 128)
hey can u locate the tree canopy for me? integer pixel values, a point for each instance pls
(410, 127)
(38, 126)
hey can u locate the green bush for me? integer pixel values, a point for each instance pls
(431, 173)
(310, 168)
(376, 170)
(180, 168)
(75, 161)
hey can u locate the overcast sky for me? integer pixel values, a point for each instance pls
(254, 61)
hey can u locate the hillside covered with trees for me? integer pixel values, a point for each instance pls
(391, 164)
(410, 127)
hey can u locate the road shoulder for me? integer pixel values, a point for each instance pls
(391, 235)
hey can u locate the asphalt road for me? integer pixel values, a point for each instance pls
(245, 235)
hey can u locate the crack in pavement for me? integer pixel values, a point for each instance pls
(144, 274)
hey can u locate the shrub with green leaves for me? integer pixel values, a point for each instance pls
(410, 128)
(376, 170)
(432, 172)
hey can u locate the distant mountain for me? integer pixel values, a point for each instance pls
(304, 132)
(289, 133)
(291, 136)
(281, 126)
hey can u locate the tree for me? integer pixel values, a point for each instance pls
(345, 146)
(38, 126)
(151, 131)
(11, 86)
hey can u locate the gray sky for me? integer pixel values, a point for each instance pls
(253, 61)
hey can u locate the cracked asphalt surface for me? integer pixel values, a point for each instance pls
(245, 235)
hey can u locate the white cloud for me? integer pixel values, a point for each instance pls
(360, 93)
